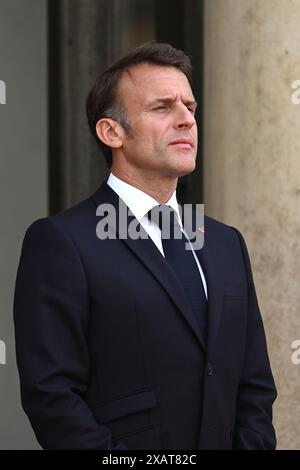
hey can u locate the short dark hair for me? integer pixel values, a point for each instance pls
(103, 101)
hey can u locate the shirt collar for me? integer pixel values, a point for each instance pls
(138, 202)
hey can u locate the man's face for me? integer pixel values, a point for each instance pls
(160, 107)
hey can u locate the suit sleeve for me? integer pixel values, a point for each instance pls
(257, 392)
(51, 309)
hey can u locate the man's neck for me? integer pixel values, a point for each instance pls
(161, 190)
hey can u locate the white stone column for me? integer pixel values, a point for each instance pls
(252, 166)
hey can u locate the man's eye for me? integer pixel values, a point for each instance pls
(160, 108)
(192, 110)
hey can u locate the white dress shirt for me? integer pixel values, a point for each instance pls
(140, 204)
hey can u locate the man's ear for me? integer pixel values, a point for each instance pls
(110, 132)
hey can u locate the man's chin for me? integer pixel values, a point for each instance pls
(178, 172)
(186, 168)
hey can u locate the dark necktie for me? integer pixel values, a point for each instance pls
(182, 261)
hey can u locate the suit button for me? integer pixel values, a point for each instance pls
(210, 369)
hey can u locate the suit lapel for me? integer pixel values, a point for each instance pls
(153, 260)
(209, 261)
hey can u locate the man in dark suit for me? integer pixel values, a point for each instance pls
(134, 342)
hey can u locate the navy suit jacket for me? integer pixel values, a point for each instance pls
(108, 350)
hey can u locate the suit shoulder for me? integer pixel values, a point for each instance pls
(75, 214)
(219, 230)
(217, 226)
(64, 221)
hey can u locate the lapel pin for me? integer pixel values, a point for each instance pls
(201, 228)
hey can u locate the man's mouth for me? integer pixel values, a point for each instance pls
(182, 143)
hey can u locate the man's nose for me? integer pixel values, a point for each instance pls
(184, 118)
